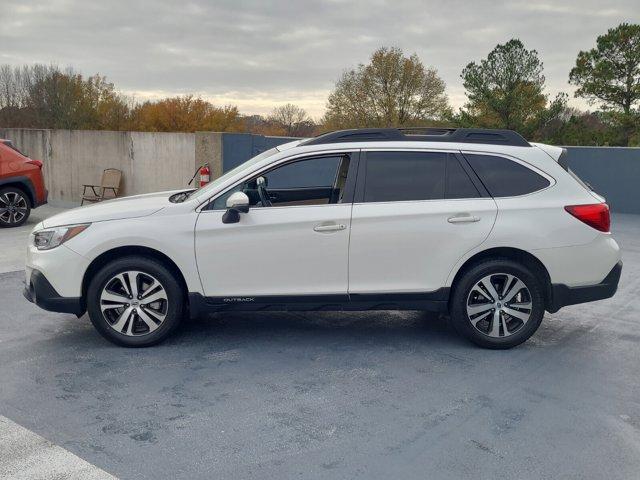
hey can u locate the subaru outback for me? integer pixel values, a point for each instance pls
(478, 223)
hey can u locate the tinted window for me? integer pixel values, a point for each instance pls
(505, 178)
(315, 181)
(459, 185)
(398, 176)
(316, 172)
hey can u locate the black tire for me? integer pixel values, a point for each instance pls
(15, 207)
(462, 295)
(149, 268)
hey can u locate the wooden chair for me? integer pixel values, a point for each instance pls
(110, 182)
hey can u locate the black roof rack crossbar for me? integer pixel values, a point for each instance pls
(420, 134)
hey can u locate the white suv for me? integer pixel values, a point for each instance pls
(479, 223)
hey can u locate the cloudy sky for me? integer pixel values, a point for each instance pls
(258, 54)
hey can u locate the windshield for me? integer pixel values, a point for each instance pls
(220, 180)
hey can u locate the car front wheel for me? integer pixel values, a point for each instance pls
(497, 304)
(135, 302)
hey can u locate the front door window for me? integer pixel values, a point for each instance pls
(312, 181)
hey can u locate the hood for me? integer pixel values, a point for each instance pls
(117, 209)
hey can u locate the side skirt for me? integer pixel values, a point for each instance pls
(436, 301)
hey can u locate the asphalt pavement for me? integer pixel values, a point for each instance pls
(374, 395)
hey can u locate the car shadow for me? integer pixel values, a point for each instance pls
(283, 329)
(312, 327)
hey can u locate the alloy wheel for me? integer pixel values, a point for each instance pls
(13, 208)
(499, 305)
(134, 303)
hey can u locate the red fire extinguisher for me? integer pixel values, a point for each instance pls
(204, 174)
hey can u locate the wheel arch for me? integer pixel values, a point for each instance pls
(22, 183)
(118, 252)
(514, 254)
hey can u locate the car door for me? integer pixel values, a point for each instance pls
(416, 213)
(297, 246)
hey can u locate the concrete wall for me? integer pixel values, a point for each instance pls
(149, 161)
(613, 172)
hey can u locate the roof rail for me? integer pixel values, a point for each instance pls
(420, 134)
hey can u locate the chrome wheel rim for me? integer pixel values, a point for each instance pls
(134, 303)
(499, 305)
(13, 208)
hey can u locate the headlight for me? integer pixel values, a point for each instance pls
(52, 237)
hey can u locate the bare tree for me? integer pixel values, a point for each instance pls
(292, 119)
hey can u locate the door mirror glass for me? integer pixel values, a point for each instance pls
(237, 203)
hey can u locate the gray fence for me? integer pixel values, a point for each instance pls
(612, 172)
(240, 147)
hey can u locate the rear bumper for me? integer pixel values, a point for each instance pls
(562, 295)
(42, 201)
(42, 293)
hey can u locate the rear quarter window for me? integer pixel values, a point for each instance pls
(505, 178)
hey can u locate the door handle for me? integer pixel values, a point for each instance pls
(463, 219)
(329, 228)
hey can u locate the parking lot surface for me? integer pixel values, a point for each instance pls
(332, 395)
(13, 240)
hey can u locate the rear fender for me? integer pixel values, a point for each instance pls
(22, 182)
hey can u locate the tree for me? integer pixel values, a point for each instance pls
(575, 127)
(43, 96)
(292, 120)
(610, 74)
(185, 114)
(392, 90)
(58, 100)
(506, 90)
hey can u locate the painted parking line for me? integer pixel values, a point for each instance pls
(26, 455)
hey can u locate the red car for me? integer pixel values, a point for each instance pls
(21, 185)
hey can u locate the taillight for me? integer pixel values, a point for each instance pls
(37, 163)
(595, 215)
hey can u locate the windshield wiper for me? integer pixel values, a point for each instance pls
(181, 196)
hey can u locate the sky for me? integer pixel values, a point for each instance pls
(261, 54)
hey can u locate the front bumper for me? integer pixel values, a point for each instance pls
(42, 293)
(562, 295)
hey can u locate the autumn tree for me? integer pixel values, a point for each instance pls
(41, 96)
(392, 90)
(185, 114)
(506, 90)
(609, 74)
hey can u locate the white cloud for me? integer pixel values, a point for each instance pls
(259, 54)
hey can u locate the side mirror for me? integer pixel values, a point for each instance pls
(237, 203)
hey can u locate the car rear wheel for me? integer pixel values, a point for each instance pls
(15, 207)
(135, 302)
(497, 304)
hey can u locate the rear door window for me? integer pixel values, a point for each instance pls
(505, 178)
(459, 185)
(403, 176)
